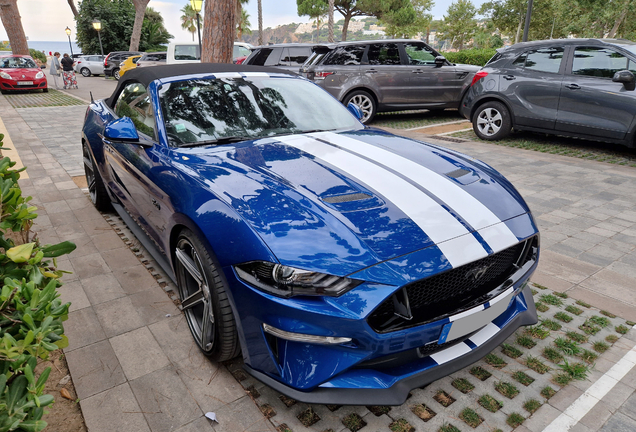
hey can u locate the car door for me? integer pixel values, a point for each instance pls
(135, 166)
(389, 77)
(96, 64)
(430, 84)
(591, 103)
(532, 85)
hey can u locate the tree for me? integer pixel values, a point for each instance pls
(71, 3)
(243, 25)
(421, 22)
(140, 10)
(348, 9)
(507, 15)
(154, 36)
(397, 13)
(218, 31)
(314, 9)
(459, 24)
(330, 25)
(260, 23)
(12, 23)
(189, 20)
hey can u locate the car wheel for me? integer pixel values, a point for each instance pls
(96, 188)
(204, 300)
(85, 72)
(492, 121)
(45, 90)
(116, 73)
(366, 103)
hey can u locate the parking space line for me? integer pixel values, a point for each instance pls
(575, 412)
(436, 125)
(455, 131)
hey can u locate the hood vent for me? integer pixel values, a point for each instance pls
(338, 199)
(457, 173)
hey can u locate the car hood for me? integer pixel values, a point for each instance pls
(340, 202)
(17, 73)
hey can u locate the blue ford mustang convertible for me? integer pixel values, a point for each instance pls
(347, 265)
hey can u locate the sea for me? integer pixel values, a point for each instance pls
(53, 46)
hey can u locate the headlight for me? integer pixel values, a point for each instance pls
(5, 75)
(284, 281)
(39, 75)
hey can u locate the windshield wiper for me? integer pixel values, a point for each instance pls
(221, 140)
(299, 132)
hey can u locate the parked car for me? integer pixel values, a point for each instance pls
(152, 59)
(349, 265)
(19, 72)
(288, 56)
(389, 75)
(113, 60)
(90, 65)
(128, 64)
(188, 52)
(574, 87)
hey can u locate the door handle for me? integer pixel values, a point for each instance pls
(417, 71)
(509, 77)
(573, 86)
(371, 71)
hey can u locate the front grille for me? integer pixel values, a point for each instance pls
(456, 289)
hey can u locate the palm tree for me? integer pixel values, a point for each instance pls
(189, 20)
(331, 6)
(243, 24)
(260, 23)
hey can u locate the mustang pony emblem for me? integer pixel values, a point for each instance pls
(477, 273)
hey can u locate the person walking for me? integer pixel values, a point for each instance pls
(56, 67)
(68, 73)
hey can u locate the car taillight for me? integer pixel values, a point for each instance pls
(479, 75)
(106, 60)
(322, 75)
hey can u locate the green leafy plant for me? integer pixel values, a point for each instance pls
(551, 324)
(574, 310)
(582, 303)
(490, 403)
(567, 346)
(576, 337)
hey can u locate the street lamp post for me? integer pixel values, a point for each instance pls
(97, 25)
(68, 33)
(196, 6)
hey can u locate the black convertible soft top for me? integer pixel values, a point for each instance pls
(146, 75)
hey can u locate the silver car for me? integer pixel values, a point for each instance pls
(152, 59)
(90, 65)
(389, 75)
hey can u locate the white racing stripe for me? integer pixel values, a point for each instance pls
(451, 353)
(451, 237)
(497, 235)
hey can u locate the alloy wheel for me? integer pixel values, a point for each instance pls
(365, 104)
(489, 121)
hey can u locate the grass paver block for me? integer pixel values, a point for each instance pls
(444, 398)
(600, 346)
(547, 392)
(448, 428)
(471, 418)
(537, 332)
(523, 378)
(515, 420)
(536, 365)
(507, 389)
(551, 300)
(574, 310)
(401, 425)
(576, 337)
(267, 411)
(621, 329)
(287, 400)
(551, 324)
(481, 373)
(489, 403)
(463, 385)
(588, 356)
(511, 351)
(354, 422)
(542, 307)
(378, 410)
(611, 338)
(333, 408)
(495, 361)
(531, 405)
(308, 417)
(562, 316)
(589, 328)
(526, 342)
(423, 412)
(567, 346)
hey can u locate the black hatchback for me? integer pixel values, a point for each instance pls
(582, 88)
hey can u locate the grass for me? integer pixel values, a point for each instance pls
(602, 322)
(526, 342)
(507, 389)
(531, 405)
(447, 427)
(308, 417)
(537, 332)
(560, 294)
(283, 428)
(551, 324)
(515, 420)
(608, 314)
(495, 361)
(489, 403)
(287, 401)
(551, 300)
(621, 329)
(444, 398)
(511, 351)
(562, 316)
(588, 356)
(569, 347)
(576, 337)
(471, 418)
(600, 346)
(534, 292)
(541, 307)
(541, 287)
(574, 310)
(562, 379)
(536, 365)
(577, 371)
(630, 323)
(553, 355)
(463, 385)
(480, 373)
(423, 412)
(589, 328)
(523, 378)
(582, 303)
(611, 338)
(379, 410)
(354, 422)
(401, 425)
(547, 392)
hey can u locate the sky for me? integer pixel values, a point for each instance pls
(45, 20)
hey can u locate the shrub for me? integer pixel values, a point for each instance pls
(37, 55)
(31, 312)
(474, 56)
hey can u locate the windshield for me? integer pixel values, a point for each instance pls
(248, 107)
(17, 62)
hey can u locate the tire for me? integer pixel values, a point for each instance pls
(45, 90)
(491, 121)
(96, 188)
(116, 73)
(365, 101)
(435, 111)
(85, 72)
(203, 294)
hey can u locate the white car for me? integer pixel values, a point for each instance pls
(90, 65)
(188, 52)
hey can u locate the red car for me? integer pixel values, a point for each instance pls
(19, 72)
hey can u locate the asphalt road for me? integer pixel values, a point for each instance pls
(97, 85)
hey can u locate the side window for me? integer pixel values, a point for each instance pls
(545, 59)
(598, 62)
(520, 61)
(134, 102)
(242, 51)
(419, 54)
(186, 52)
(346, 55)
(632, 66)
(296, 56)
(384, 54)
(260, 57)
(274, 58)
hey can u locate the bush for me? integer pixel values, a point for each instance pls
(474, 56)
(38, 55)
(31, 312)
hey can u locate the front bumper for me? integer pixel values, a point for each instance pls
(13, 84)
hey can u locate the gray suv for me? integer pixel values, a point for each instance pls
(388, 75)
(582, 88)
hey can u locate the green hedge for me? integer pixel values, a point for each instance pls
(474, 56)
(38, 55)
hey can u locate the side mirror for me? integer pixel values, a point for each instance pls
(122, 129)
(355, 110)
(440, 61)
(625, 77)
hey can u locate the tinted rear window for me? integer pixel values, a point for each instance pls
(545, 59)
(295, 56)
(345, 55)
(186, 52)
(260, 56)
